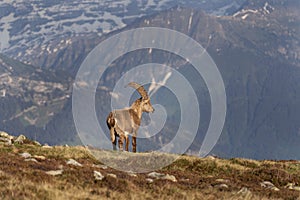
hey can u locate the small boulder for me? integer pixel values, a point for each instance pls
(149, 180)
(112, 175)
(37, 143)
(222, 186)
(39, 158)
(25, 155)
(98, 176)
(20, 139)
(243, 190)
(100, 166)
(6, 138)
(74, 162)
(155, 175)
(4, 134)
(6, 141)
(132, 174)
(55, 172)
(46, 146)
(292, 186)
(170, 178)
(220, 180)
(269, 185)
(210, 157)
(31, 160)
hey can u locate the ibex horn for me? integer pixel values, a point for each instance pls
(140, 89)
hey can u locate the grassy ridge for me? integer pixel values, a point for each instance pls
(197, 178)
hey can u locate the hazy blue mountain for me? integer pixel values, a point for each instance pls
(30, 98)
(256, 49)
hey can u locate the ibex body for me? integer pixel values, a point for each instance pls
(127, 121)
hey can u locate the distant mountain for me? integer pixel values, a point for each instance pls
(256, 49)
(257, 53)
(30, 98)
(38, 29)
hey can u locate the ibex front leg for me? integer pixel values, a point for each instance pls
(121, 141)
(113, 138)
(127, 142)
(122, 136)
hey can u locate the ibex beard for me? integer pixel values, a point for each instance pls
(124, 122)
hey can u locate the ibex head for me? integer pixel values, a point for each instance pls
(145, 100)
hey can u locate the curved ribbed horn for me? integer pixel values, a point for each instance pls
(140, 89)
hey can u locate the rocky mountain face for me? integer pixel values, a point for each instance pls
(31, 97)
(256, 49)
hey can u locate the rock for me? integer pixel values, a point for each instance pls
(37, 143)
(6, 141)
(20, 139)
(149, 180)
(31, 160)
(155, 175)
(170, 178)
(55, 172)
(210, 157)
(269, 185)
(292, 186)
(220, 180)
(46, 146)
(297, 188)
(112, 175)
(6, 138)
(9, 142)
(40, 158)
(74, 162)
(132, 174)
(244, 191)
(4, 134)
(25, 155)
(98, 176)
(100, 166)
(222, 186)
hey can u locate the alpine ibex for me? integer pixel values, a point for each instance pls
(127, 121)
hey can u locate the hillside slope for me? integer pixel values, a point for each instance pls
(30, 97)
(31, 171)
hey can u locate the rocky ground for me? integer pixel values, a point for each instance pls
(29, 170)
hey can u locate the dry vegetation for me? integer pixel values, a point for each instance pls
(196, 178)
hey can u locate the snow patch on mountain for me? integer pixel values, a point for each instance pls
(26, 25)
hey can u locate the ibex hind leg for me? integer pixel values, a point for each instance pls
(134, 144)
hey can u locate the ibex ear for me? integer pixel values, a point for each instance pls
(140, 89)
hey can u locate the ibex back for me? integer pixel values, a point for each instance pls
(127, 121)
